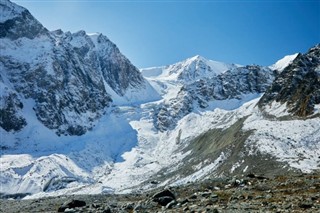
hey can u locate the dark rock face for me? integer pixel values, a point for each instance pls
(168, 114)
(101, 54)
(67, 75)
(164, 197)
(298, 85)
(231, 84)
(23, 25)
(63, 96)
(11, 120)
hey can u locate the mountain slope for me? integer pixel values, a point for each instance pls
(59, 101)
(61, 70)
(297, 86)
(227, 90)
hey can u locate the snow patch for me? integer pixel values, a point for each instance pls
(284, 62)
(277, 109)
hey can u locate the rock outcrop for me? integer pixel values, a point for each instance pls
(298, 85)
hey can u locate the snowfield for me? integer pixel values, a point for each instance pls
(296, 142)
(112, 160)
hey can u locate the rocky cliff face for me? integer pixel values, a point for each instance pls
(231, 84)
(17, 22)
(297, 86)
(69, 76)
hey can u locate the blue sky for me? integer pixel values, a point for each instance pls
(154, 33)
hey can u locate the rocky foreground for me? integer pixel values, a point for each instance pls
(253, 193)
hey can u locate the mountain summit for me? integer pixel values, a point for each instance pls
(191, 69)
(17, 22)
(71, 77)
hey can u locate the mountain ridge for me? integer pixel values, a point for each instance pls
(190, 69)
(72, 66)
(298, 85)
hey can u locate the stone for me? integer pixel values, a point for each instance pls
(171, 204)
(71, 204)
(70, 210)
(194, 196)
(164, 193)
(94, 205)
(164, 197)
(154, 182)
(163, 201)
(215, 211)
(107, 210)
(305, 205)
(206, 194)
(183, 201)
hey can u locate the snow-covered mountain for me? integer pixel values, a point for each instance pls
(201, 84)
(70, 77)
(78, 118)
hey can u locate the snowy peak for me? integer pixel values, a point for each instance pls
(198, 67)
(10, 10)
(58, 71)
(284, 62)
(228, 91)
(16, 22)
(191, 69)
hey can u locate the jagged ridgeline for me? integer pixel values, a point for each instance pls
(68, 76)
(298, 85)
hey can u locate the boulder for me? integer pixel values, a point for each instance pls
(71, 204)
(164, 197)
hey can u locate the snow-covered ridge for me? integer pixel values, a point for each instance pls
(168, 80)
(9, 10)
(191, 69)
(284, 62)
(60, 70)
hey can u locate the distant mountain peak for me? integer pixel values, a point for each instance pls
(284, 62)
(197, 58)
(189, 70)
(198, 67)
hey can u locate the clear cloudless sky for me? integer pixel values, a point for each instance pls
(154, 33)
